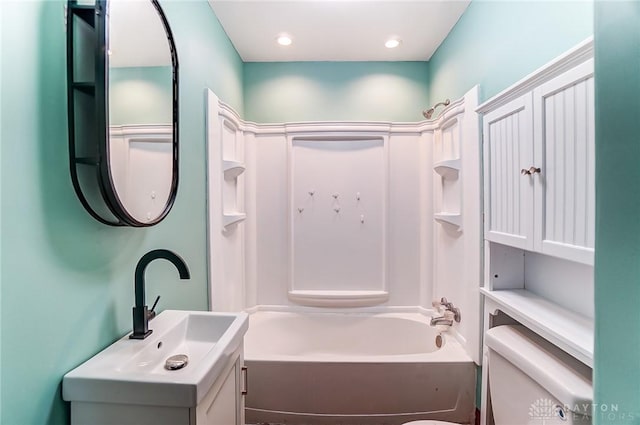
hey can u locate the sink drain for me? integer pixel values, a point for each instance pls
(176, 362)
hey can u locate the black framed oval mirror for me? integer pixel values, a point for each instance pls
(122, 70)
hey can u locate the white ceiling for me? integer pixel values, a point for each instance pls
(337, 30)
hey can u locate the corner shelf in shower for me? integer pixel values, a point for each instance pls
(567, 330)
(327, 298)
(448, 169)
(232, 218)
(232, 169)
(453, 219)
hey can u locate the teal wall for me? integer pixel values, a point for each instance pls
(496, 43)
(140, 95)
(313, 91)
(617, 280)
(67, 280)
(1, 380)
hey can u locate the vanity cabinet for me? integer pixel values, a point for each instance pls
(540, 166)
(223, 404)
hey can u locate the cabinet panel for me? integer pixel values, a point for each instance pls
(565, 192)
(223, 404)
(83, 413)
(508, 148)
(222, 410)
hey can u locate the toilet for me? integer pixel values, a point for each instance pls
(532, 381)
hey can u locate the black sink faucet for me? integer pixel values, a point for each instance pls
(141, 315)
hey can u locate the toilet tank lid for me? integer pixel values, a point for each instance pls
(566, 378)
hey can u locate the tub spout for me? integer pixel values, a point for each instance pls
(441, 321)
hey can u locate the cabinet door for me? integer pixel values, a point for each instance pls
(223, 403)
(508, 149)
(565, 152)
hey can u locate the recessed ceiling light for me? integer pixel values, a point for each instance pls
(284, 40)
(392, 43)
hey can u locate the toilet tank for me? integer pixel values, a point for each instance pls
(533, 382)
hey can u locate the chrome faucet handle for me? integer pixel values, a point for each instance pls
(454, 313)
(442, 303)
(446, 304)
(448, 307)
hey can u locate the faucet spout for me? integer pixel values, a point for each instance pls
(441, 321)
(140, 311)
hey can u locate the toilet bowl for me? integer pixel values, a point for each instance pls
(532, 380)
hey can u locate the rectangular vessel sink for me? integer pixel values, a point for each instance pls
(133, 371)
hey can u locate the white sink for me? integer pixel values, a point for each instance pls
(132, 371)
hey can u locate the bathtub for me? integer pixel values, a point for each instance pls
(354, 369)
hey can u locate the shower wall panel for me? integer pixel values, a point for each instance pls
(341, 214)
(338, 194)
(320, 249)
(271, 216)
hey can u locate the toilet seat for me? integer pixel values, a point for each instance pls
(429, 423)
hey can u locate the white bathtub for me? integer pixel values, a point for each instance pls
(354, 369)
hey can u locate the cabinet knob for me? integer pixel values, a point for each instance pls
(532, 170)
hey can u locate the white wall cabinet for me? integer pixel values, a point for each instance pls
(508, 148)
(539, 168)
(539, 187)
(564, 142)
(222, 405)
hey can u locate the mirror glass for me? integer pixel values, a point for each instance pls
(140, 151)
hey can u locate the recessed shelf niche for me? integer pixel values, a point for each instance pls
(232, 168)
(448, 187)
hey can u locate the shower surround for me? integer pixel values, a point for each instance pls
(349, 218)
